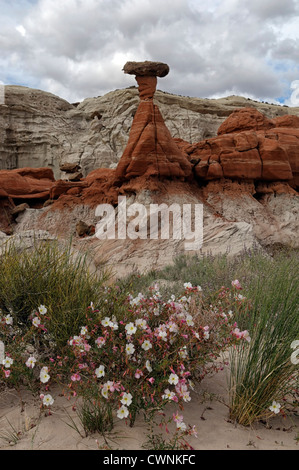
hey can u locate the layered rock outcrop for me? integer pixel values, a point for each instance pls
(249, 146)
(27, 183)
(245, 175)
(18, 189)
(39, 129)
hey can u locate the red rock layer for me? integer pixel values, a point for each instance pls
(27, 183)
(251, 147)
(17, 186)
(151, 150)
(243, 120)
(260, 152)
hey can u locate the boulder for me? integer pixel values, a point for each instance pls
(245, 119)
(75, 176)
(6, 218)
(19, 209)
(82, 228)
(61, 187)
(146, 68)
(70, 167)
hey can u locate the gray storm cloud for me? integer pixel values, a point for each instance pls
(77, 49)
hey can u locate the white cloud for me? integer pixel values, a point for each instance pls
(77, 48)
(266, 9)
(294, 98)
(20, 28)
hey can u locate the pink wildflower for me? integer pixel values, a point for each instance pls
(177, 418)
(237, 333)
(138, 373)
(76, 377)
(193, 431)
(83, 366)
(242, 334)
(100, 341)
(236, 284)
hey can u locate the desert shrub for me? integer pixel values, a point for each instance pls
(136, 362)
(48, 274)
(153, 354)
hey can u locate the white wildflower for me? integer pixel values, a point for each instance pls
(8, 320)
(122, 412)
(7, 362)
(36, 321)
(188, 285)
(130, 349)
(106, 321)
(100, 371)
(42, 309)
(275, 407)
(30, 362)
(130, 329)
(44, 376)
(48, 400)
(173, 379)
(146, 345)
(126, 399)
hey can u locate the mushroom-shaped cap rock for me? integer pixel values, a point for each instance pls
(146, 68)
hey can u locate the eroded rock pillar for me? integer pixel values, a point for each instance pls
(151, 150)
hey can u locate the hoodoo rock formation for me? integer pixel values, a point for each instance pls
(246, 177)
(151, 150)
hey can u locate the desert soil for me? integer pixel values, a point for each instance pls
(31, 429)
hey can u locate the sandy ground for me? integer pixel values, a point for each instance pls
(29, 429)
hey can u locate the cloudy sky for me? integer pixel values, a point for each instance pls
(77, 48)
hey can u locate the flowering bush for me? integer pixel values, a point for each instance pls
(146, 359)
(153, 354)
(26, 353)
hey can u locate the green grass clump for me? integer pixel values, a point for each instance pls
(212, 271)
(49, 274)
(263, 372)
